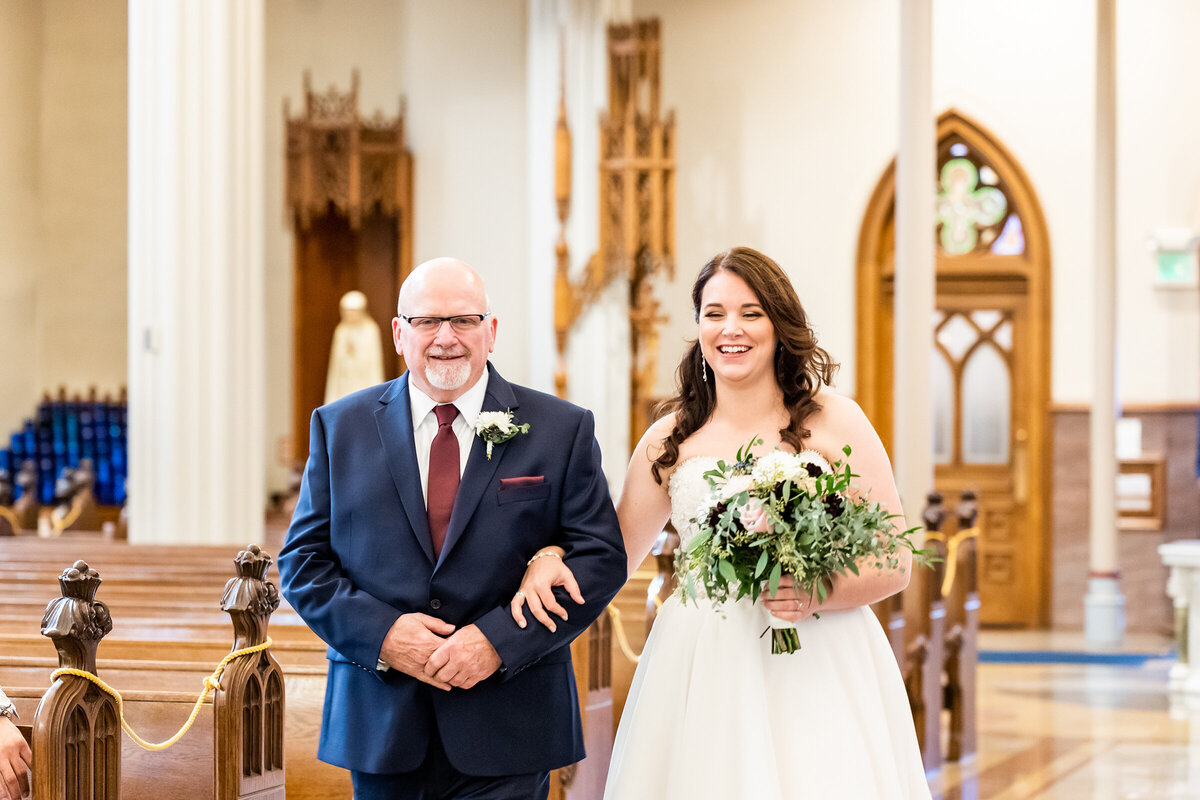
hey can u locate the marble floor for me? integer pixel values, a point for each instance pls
(1077, 731)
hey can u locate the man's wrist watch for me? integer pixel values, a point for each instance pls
(381, 665)
(7, 707)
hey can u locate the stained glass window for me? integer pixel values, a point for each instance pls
(974, 211)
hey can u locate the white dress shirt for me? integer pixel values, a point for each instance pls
(425, 425)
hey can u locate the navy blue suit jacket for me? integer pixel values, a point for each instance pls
(359, 554)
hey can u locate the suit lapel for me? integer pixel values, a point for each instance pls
(394, 420)
(480, 470)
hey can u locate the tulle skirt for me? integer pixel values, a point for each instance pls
(712, 713)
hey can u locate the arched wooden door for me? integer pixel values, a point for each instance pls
(990, 361)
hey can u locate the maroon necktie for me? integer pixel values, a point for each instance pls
(443, 475)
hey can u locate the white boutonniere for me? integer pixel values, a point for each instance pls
(495, 427)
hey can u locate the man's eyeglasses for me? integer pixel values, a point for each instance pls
(461, 323)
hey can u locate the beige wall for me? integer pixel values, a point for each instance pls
(20, 64)
(787, 117)
(82, 177)
(62, 200)
(462, 67)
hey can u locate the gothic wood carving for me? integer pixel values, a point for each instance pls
(248, 706)
(637, 207)
(349, 197)
(76, 728)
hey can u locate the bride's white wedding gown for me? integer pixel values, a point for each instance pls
(712, 713)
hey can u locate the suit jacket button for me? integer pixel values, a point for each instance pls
(435, 604)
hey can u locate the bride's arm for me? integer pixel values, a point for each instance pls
(644, 506)
(842, 422)
(642, 510)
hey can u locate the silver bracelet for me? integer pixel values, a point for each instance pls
(536, 556)
(7, 707)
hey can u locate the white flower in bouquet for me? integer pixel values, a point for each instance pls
(735, 486)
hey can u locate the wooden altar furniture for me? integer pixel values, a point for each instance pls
(349, 182)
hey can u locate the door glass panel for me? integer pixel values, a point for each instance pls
(986, 319)
(957, 336)
(941, 391)
(1003, 335)
(986, 407)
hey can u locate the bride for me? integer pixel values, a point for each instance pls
(712, 713)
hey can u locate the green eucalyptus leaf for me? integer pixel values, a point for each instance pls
(775, 577)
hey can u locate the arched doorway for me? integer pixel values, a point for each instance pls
(990, 367)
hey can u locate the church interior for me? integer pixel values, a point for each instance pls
(991, 213)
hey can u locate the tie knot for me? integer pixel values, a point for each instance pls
(445, 414)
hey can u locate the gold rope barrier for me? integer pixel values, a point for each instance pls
(12, 519)
(210, 683)
(622, 641)
(68, 519)
(952, 556)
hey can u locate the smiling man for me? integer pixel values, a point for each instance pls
(408, 541)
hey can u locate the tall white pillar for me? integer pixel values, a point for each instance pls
(912, 430)
(1104, 605)
(196, 337)
(571, 36)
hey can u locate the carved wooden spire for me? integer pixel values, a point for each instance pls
(248, 706)
(76, 728)
(637, 205)
(77, 621)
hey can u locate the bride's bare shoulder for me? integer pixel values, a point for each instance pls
(651, 444)
(839, 414)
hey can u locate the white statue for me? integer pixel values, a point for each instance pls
(356, 356)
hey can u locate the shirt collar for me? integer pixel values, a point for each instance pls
(469, 403)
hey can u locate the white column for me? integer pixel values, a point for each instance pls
(196, 337)
(912, 430)
(1104, 605)
(598, 351)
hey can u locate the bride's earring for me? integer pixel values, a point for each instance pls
(703, 367)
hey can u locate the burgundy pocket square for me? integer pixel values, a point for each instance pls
(529, 480)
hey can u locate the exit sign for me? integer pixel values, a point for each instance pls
(1175, 268)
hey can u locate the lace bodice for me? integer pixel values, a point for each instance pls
(689, 490)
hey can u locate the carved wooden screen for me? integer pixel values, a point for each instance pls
(349, 194)
(637, 207)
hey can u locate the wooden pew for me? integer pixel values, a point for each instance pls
(252, 688)
(961, 592)
(925, 627)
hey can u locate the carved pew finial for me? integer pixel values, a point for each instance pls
(250, 598)
(77, 729)
(77, 621)
(248, 706)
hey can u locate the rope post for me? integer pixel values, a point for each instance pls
(73, 714)
(249, 702)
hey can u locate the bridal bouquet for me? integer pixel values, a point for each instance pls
(784, 513)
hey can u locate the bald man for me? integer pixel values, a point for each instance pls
(410, 537)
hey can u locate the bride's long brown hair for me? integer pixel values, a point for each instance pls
(801, 367)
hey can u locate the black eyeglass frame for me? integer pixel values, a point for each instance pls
(450, 320)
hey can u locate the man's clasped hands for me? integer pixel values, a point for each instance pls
(433, 651)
